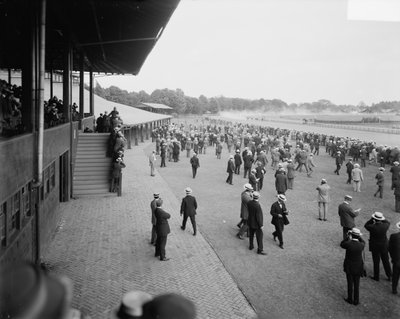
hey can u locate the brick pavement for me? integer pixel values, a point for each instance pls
(102, 244)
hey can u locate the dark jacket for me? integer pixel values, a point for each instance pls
(353, 262)
(231, 167)
(195, 162)
(394, 248)
(255, 219)
(347, 215)
(153, 207)
(377, 231)
(162, 226)
(238, 159)
(281, 183)
(189, 205)
(277, 213)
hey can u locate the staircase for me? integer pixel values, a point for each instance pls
(92, 167)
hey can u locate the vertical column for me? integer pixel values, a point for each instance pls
(51, 83)
(130, 138)
(135, 130)
(141, 133)
(81, 92)
(147, 131)
(67, 83)
(91, 94)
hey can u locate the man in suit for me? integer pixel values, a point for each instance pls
(338, 161)
(194, 161)
(347, 215)
(260, 171)
(290, 173)
(152, 160)
(162, 229)
(238, 161)
(246, 197)
(153, 206)
(230, 169)
(255, 222)
(378, 243)
(353, 264)
(281, 183)
(323, 198)
(278, 210)
(380, 181)
(395, 170)
(358, 177)
(188, 210)
(394, 251)
(349, 169)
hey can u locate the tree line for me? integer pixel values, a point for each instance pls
(183, 104)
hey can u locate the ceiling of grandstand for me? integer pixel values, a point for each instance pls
(112, 36)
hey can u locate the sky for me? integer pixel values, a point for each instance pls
(345, 51)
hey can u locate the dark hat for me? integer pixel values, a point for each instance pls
(169, 306)
(28, 292)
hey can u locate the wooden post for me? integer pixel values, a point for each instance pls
(135, 129)
(129, 138)
(141, 133)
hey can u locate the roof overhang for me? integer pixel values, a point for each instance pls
(108, 36)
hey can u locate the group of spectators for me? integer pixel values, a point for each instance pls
(105, 123)
(116, 147)
(10, 109)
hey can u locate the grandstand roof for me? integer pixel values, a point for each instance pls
(154, 106)
(110, 36)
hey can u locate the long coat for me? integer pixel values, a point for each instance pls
(189, 205)
(281, 183)
(394, 248)
(255, 219)
(353, 262)
(246, 197)
(153, 207)
(347, 215)
(290, 170)
(162, 226)
(195, 161)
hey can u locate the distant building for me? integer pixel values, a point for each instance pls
(155, 108)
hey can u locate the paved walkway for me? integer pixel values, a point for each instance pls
(102, 244)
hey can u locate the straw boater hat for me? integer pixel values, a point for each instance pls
(355, 232)
(282, 197)
(348, 197)
(395, 163)
(156, 195)
(248, 187)
(131, 305)
(378, 216)
(381, 169)
(323, 181)
(188, 190)
(398, 225)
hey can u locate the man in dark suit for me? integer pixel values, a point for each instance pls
(230, 169)
(255, 223)
(278, 210)
(162, 228)
(394, 251)
(238, 161)
(378, 243)
(347, 215)
(353, 264)
(349, 169)
(153, 206)
(188, 209)
(194, 161)
(281, 183)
